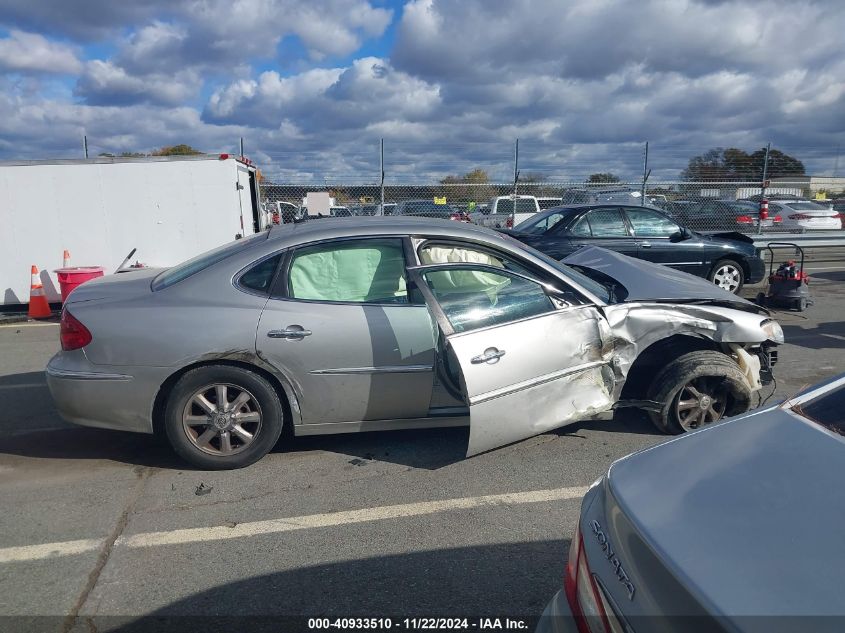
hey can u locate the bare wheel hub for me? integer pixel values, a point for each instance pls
(701, 401)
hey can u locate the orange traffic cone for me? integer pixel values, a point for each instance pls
(38, 306)
(66, 259)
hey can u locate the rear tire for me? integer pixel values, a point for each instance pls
(728, 275)
(214, 437)
(697, 389)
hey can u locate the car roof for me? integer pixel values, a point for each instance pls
(320, 228)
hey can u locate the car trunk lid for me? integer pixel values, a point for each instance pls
(124, 285)
(744, 516)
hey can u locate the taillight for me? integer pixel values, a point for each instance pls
(777, 219)
(72, 333)
(744, 219)
(509, 223)
(582, 592)
(800, 216)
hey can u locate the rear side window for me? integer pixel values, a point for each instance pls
(260, 276)
(203, 261)
(352, 271)
(607, 223)
(523, 205)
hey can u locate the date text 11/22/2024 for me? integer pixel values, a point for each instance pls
(418, 624)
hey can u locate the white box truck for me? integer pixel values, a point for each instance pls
(167, 208)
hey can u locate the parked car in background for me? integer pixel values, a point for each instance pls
(547, 203)
(425, 208)
(728, 260)
(506, 211)
(715, 532)
(340, 212)
(287, 212)
(368, 209)
(619, 194)
(327, 327)
(805, 215)
(724, 215)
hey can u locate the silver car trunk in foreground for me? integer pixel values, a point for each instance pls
(748, 524)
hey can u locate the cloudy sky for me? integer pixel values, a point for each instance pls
(312, 85)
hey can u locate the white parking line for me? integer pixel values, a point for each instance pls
(288, 524)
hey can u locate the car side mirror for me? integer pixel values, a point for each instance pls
(680, 236)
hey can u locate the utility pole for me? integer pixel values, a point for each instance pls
(381, 164)
(515, 169)
(765, 184)
(646, 174)
(242, 147)
(85, 145)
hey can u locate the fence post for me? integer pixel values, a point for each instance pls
(763, 186)
(381, 163)
(646, 174)
(515, 172)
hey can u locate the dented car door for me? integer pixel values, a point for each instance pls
(529, 361)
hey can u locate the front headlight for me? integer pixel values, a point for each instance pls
(773, 330)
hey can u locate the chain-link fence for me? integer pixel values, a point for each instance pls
(794, 206)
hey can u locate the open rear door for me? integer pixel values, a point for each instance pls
(529, 362)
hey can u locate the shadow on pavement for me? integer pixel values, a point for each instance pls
(624, 421)
(34, 429)
(513, 580)
(417, 448)
(823, 336)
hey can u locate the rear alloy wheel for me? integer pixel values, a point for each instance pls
(697, 389)
(221, 417)
(728, 275)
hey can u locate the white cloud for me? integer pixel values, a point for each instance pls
(573, 80)
(350, 98)
(32, 52)
(104, 83)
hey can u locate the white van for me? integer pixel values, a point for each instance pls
(506, 211)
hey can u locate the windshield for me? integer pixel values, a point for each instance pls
(203, 261)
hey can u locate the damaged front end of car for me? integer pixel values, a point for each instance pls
(680, 348)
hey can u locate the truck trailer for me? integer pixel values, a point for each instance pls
(168, 208)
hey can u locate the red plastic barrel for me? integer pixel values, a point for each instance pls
(70, 278)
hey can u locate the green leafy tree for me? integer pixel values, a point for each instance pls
(602, 178)
(177, 150)
(471, 187)
(736, 164)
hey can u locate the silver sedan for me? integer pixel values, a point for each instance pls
(366, 324)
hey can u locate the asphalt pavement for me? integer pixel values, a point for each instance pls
(100, 527)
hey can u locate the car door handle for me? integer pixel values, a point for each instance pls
(645, 244)
(490, 354)
(289, 333)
